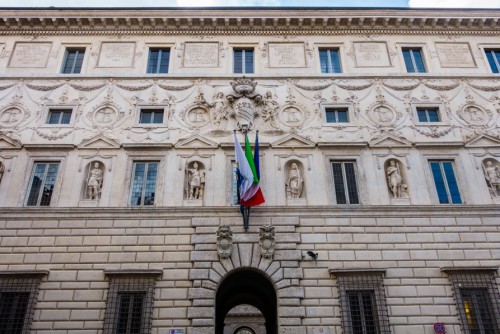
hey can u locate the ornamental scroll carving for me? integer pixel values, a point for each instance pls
(224, 241)
(266, 240)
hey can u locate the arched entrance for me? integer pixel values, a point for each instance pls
(246, 287)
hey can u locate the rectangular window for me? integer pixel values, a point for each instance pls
(144, 183)
(59, 116)
(428, 115)
(158, 60)
(329, 60)
(18, 295)
(414, 60)
(478, 299)
(129, 304)
(243, 61)
(151, 116)
(445, 182)
(234, 184)
(73, 60)
(344, 179)
(337, 115)
(42, 185)
(493, 56)
(362, 302)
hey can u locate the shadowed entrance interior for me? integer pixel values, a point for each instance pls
(246, 287)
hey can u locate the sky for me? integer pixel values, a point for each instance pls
(277, 3)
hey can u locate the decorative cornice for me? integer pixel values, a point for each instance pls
(273, 21)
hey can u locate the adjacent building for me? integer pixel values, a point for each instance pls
(379, 149)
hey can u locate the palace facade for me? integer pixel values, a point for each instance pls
(379, 162)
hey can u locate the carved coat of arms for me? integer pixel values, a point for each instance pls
(224, 241)
(266, 240)
(244, 102)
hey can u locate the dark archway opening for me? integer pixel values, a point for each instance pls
(246, 287)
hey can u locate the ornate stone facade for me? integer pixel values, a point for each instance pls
(119, 171)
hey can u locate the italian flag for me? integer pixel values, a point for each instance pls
(248, 172)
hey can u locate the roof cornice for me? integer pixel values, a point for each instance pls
(248, 20)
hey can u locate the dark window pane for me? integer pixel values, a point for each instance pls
(330, 116)
(158, 60)
(361, 311)
(144, 184)
(248, 61)
(477, 306)
(351, 183)
(151, 116)
(150, 184)
(419, 61)
(452, 182)
(158, 117)
(338, 180)
(433, 115)
(342, 116)
(329, 60)
(54, 117)
(73, 61)
(408, 61)
(493, 57)
(66, 117)
(422, 116)
(439, 182)
(137, 184)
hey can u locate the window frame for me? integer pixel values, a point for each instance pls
(134, 166)
(243, 63)
(344, 181)
(423, 54)
(329, 48)
(481, 278)
(163, 48)
(67, 50)
(486, 49)
(59, 109)
(31, 179)
(433, 180)
(363, 281)
(443, 120)
(23, 282)
(130, 282)
(139, 111)
(324, 109)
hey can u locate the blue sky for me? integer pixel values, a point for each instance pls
(215, 3)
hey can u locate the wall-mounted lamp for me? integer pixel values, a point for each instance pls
(313, 255)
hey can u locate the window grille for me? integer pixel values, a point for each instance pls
(129, 305)
(363, 303)
(478, 300)
(243, 61)
(18, 296)
(414, 60)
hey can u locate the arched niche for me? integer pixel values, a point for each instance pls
(396, 179)
(194, 182)
(93, 180)
(491, 171)
(247, 287)
(294, 180)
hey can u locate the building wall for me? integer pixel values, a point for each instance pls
(77, 239)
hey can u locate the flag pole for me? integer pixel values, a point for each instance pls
(246, 209)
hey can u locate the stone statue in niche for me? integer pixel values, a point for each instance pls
(224, 241)
(492, 176)
(266, 240)
(220, 111)
(294, 183)
(2, 170)
(195, 182)
(395, 181)
(269, 111)
(94, 181)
